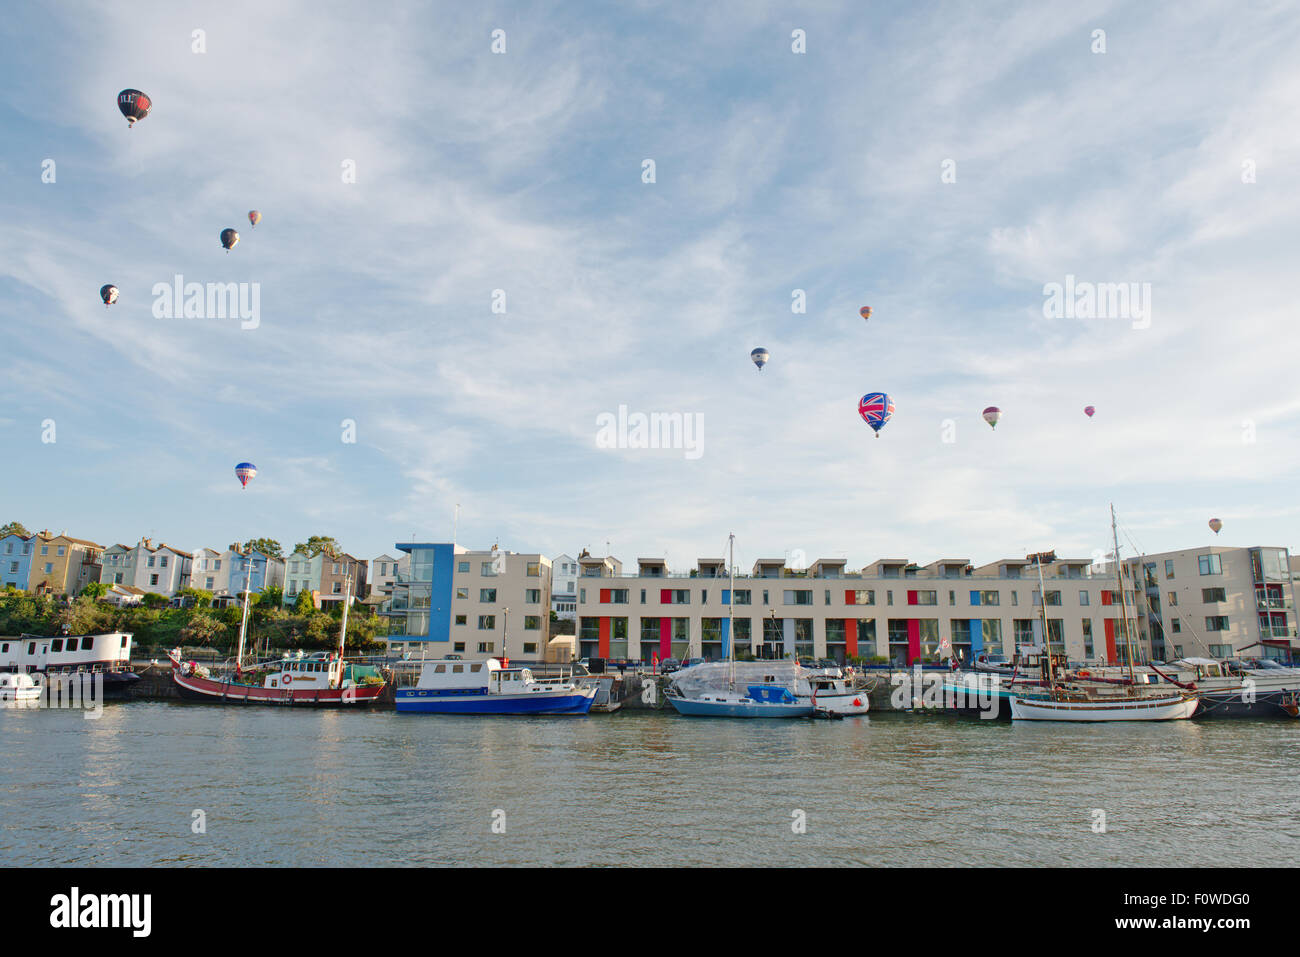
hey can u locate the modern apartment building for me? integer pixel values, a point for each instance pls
(1217, 602)
(62, 565)
(891, 610)
(564, 587)
(384, 571)
(477, 604)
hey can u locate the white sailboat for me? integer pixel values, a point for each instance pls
(1083, 702)
(759, 701)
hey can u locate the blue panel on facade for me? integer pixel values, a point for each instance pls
(726, 635)
(974, 598)
(726, 596)
(434, 564)
(976, 636)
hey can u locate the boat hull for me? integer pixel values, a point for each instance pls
(847, 704)
(695, 708)
(1157, 709)
(1265, 704)
(194, 688)
(415, 701)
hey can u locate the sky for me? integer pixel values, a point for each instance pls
(449, 327)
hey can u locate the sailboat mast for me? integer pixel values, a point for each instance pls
(731, 612)
(343, 627)
(1042, 613)
(1123, 609)
(243, 621)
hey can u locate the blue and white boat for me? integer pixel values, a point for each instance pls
(452, 686)
(762, 701)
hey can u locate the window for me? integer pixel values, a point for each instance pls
(533, 570)
(1220, 651)
(1173, 598)
(462, 593)
(56, 644)
(1169, 568)
(152, 559)
(1210, 564)
(765, 600)
(927, 598)
(642, 592)
(486, 647)
(679, 596)
(952, 597)
(60, 551)
(462, 619)
(532, 622)
(1176, 627)
(617, 596)
(741, 596)
(1087, 637)
(338, 588)
(534, 595)
(1211, 595)
(704, 596)
(487, 595)
(1216, 623)
(462, 567)
(45, 549)
(487, 623)
(210, 582)
(117, 579)
(458, 646)
(162, 562)
(828, 596)
(153, 579)
(1083, 597)
(798, 596)
(487, 569)
(1053, 598)
(864, 596)
(337, 569)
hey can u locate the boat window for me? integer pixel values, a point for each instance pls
(440, 669)
(457, 669)
(124, 641)
(474, 668)
(87, 643)
(31, 647)
(56, 644)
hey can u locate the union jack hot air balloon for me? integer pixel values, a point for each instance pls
(876, 409)
(245, 471)
(865, 312)
(991, 416)
(1088, 411)
(254, 217)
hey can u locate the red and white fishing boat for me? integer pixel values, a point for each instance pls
(316, 680)
(319, 680)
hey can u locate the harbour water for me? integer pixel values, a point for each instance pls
(300, 788)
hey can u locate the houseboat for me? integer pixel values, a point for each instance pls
(108, 655)
(453, 686)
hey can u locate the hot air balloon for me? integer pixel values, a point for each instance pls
(1215, 525)
(991, 416)
(760, 357)
(1088, 411)
(245, 471)
(254, 217)
(228, 239)
(108, 294)
(134, 106)
(876, 408)
(865, 312)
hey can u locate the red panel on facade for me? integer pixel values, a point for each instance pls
(913, 639)
(1111, 657)
(604, 636)
(911, 598)
(604, 596)
(665, 596)
(1105, 597)
(850, 598)
(851, 636)
(665, 638)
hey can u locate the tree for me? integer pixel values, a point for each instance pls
(153, 600)
(94, 590)
(267, 546)
(202, 629)
(15, 528)
(317, 544)
(199, 597)
(272, 597)
(303, 605)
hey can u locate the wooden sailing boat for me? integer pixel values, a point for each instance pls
(318, 680)
(1069, 701)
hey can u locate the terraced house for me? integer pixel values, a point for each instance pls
(157, 570)
(16, 560)
(62, 565)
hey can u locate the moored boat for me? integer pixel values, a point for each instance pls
(318, 680)
(1081, 706)
(107, 656)
(761, 701)
(453, 686)
(18, 687)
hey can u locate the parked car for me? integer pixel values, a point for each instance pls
(692, 662)
(669, 665)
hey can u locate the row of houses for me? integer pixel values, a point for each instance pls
(45, 563)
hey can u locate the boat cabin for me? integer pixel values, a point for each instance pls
(318, 671)
(477, 677)
(66, 653)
